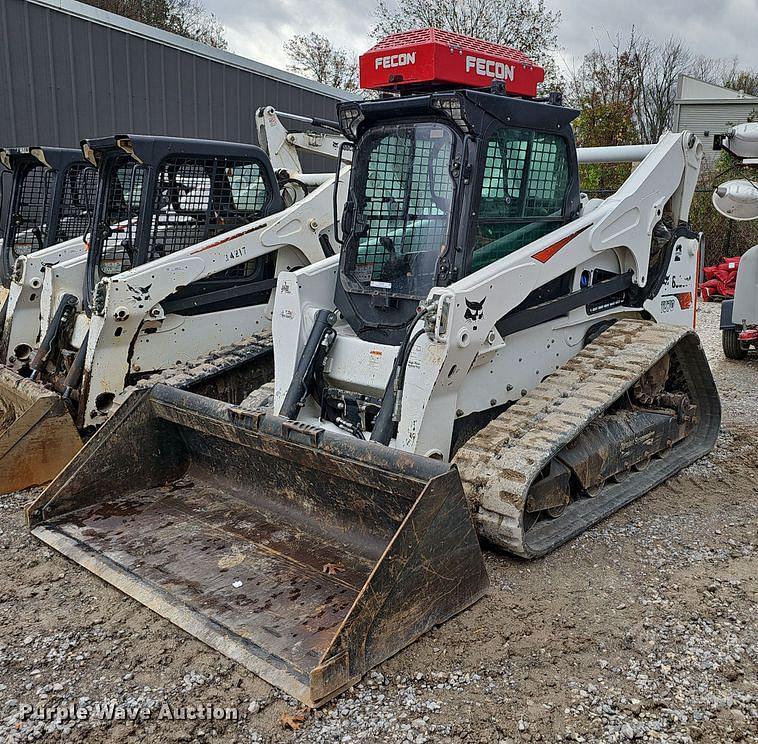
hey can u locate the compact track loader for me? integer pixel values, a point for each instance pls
(738, 200)
(186, 242)
(490, 353)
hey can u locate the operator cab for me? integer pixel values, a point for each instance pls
(160, 195)
(458, 165)
(50, 201)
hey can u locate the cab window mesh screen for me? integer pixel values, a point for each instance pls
(526, 177)
(30, 211)
(77, 202)
(548, 177)
(504, 171)
(202, 197)
(403, 211)
(117, 226)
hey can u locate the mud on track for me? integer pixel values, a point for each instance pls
(642, 628)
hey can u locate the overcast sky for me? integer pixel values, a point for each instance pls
(716, 28)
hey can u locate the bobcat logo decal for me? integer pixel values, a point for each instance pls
(140, 294)
(474, 311)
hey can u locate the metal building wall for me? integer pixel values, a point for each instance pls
(69, 71)
(712, 117)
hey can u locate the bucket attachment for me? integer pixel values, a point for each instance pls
(37, 433)
(308, 557)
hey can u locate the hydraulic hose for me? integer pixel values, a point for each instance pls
(384, 423)
(303, 376)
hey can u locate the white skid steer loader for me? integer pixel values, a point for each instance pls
(490, 356)
(186, 241)
(738, 200)
(50, 201)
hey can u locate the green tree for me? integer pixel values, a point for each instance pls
(745, 80)
(605, 88)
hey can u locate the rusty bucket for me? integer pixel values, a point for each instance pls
(37, 434)
(306, 556)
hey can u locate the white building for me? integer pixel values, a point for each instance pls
(709, 110)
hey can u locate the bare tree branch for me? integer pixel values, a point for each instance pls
(188, 18)
(314, 55)
(639, 76)
(526, 25)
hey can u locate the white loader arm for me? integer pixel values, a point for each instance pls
(130, 303)
(616, 235)
(22, 322)
(65, 278)
(283, 147)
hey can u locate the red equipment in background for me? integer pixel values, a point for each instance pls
(720, 279)
(432, 58)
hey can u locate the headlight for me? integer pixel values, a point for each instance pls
(98, 299)
(450, 105)
(350, 117)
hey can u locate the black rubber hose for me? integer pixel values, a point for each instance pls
(74, 376)
(303, 376)
(383, 423)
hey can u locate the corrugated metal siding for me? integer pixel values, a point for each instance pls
(64, 78)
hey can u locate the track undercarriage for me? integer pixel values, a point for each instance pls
(634, 407)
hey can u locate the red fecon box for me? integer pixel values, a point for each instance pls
(435, 58)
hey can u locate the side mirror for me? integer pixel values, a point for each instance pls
(736, 200)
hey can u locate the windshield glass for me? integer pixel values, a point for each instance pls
(403, 191)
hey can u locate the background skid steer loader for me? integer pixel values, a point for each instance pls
(184, 249)
(52, 193)
(51, 200)
(481, 311)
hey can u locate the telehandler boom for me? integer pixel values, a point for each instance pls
(738, 200)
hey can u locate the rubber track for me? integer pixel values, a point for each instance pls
(498, 465)
(215, 363)
(259, 399)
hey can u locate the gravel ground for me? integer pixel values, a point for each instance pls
(642, 629)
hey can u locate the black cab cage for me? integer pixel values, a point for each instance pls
(443, 184)
(159, 195)
(52, 194)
